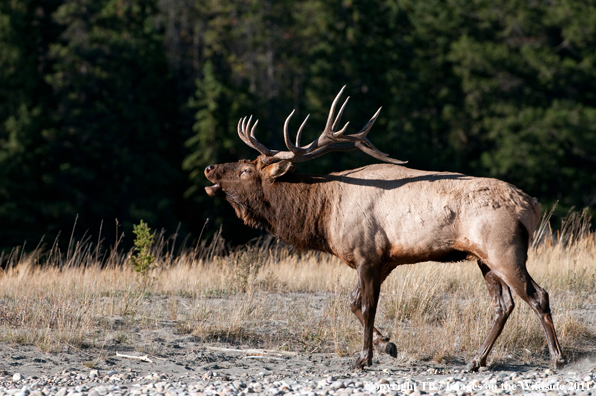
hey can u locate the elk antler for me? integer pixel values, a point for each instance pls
(329, 140)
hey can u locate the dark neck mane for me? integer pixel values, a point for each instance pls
(295, 208)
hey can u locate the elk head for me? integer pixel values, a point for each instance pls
(243, 181)
(242, 184)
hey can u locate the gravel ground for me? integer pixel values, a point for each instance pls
(224, 370)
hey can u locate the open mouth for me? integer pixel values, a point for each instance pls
(213, 190)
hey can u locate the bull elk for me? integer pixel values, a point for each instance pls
(380, 216)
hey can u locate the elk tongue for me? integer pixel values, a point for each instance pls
(213, 190)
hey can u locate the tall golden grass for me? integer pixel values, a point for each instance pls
(269, 295)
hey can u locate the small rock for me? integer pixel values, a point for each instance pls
(93, 393)
(102, 390)
(337, 385)
(475, 384)
(17, 377)
(239, 384)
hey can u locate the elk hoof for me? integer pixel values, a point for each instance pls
(361, 363)
(473, 366)
(559, 362)
(391, 349)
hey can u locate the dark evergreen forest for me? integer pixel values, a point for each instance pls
(110, 109)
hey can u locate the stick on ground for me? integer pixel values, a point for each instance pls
(144, 358)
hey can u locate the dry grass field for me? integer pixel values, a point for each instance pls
(270, 296)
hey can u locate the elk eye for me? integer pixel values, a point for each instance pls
(246, 172)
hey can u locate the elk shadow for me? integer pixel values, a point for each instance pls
(396, 183)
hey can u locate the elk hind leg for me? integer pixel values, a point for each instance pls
(511, 268)
(537, 298)
(503, 305)
(381, 342)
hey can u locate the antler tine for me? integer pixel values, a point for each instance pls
(247, 124)
(245, 131)
(366, 129)
(376, 153)
(361, 135)
(299, 134)
(241, 130)
(246, 127)
(289, 144)
(247, 134)
(252, 130)
(338, 119)
(330, 122)
(366, 145)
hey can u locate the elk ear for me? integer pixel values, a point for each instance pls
(277, 169)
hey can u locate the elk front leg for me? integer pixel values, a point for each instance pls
(381, 342)
(369, 280)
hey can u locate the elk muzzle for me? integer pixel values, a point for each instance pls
(215, 189)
